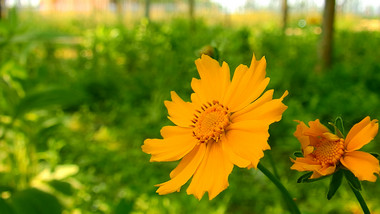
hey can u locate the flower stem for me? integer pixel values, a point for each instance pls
(361, 200)
(286, 195)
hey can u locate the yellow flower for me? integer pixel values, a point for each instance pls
(323, 151)
(225, 124)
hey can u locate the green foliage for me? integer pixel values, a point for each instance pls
(78, 98)
(352, 180)
(335, 182)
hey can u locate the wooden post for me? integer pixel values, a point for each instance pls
(2, 8)
(325, 47)
(191, 13)
(284, 8)
(147, 9)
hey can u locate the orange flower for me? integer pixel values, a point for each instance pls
(324, 152)
(225, 124)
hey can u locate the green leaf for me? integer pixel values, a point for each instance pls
(298, 154)
(5, 208)
(304, 177)
(34, 201)
(353, 180)
(337, 132)
(335, 183)
(62, 187)
(55, 97)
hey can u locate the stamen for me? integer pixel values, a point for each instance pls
(211, 122)
(328, 152)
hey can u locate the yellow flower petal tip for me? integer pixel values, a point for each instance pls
(323, 151)
(225, 124)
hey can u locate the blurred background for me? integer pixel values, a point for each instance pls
(82, 84)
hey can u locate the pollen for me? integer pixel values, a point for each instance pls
(210, 122)
(329, 152)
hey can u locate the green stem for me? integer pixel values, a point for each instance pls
(286, 195)
(361, 200)
(273, 165)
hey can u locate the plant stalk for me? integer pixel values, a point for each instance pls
(293, 208)
(361, 200)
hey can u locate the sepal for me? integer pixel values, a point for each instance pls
(352, 180)
(335, 183)
(298, 154)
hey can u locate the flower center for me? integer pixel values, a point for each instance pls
(329, 152)
(210, 122)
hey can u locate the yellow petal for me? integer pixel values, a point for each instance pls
(362, 164)
(234, 158)
(247, 85)
(305, 164)
(315, 175)
(316, 129)
(183, 172)
(330, 136)
(302, 138)
(181, 113)
(327, 170)
(266, 97)
(214, 80)
(172, 131)
(361, 134)
(212, 174)
(307, 150)
(270, 111)
(248, 145)
(169, 149)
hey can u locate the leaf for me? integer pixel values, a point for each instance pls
(352, 180)
(298, 154)
(5, 208)
(34, 201)
(304, 177)
(49, 98)
(337, 132)
(335, 183)
(62, 187)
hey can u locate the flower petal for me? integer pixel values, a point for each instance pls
(183, 172)
(270, 111)
(266, 97)
(247, 144)
(180, 112)
(361, 134)
(247, 85)
(362, 164)
(212, 174)
(214, 80)
(172, 131)
(316, 129)
(327, 170)
(305, 164)
(169, 149)
(303, 139)
(234, 158)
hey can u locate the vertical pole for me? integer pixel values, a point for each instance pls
(284, 8)
(147, 9)
(325, 48)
